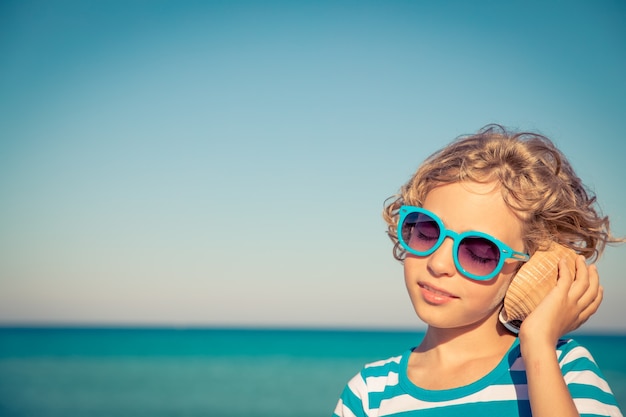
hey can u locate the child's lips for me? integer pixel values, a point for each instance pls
(434, 294)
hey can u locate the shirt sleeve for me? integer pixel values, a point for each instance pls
(589, 389)
(353, 400)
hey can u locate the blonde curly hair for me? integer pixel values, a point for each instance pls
(537, 182)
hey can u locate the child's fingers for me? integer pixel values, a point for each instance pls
(581, 277)
(590, 301)
(585, 293)
(566, 279)
(586, 284)
(588, 311)
(593, 285)
(591, 309)
(572, 302)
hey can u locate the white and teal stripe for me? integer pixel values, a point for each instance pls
(383, 389)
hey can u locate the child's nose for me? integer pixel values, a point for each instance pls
(441, 261)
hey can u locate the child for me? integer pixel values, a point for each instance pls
(520, 193)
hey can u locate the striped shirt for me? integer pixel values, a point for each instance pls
(384, 389)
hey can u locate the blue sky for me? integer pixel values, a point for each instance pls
(225, 162)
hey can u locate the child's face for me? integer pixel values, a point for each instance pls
(441, 295)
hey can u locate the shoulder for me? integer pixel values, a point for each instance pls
(587, 384)
(576, 361)
(374, 377)
(569, 351)
(385, 366)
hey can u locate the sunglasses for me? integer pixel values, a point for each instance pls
(477, 255)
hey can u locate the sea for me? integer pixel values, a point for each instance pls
(216, 372)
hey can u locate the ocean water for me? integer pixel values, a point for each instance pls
(76, 372)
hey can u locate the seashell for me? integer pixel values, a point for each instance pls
(532, 283)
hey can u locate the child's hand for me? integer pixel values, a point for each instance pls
(566, 307)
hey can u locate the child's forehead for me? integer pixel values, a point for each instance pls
(490, 188)
(465, 206)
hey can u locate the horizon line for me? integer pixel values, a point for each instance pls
(256, 327)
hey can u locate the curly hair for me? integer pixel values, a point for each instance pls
(537, 183)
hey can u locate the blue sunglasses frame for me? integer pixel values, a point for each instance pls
(505, 251)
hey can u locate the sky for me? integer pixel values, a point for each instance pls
(225, 163)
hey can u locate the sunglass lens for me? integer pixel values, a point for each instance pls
(478, 255)
(420, 232)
